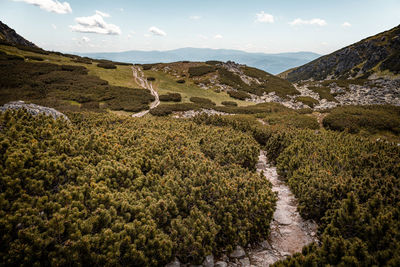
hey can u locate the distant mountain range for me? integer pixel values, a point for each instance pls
(272, 63)
(375, 56)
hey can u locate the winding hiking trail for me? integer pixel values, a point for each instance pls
(142, 81)
(289, 231)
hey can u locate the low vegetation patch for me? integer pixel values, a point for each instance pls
(307, 100)
(34, 58)
(323, 92)
(151, 79)
(124, 191)
(106, 65)
(181, 81)
(239, 95)
(229, 103)
(200, 70)
(373, 119)
(202, 101)
(171, 97)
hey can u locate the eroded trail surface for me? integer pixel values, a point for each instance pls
(289, 231)
(142, 81)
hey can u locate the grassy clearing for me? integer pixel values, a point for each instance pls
(166, 83)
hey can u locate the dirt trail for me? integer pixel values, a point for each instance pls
(289, 231)
(142, 81)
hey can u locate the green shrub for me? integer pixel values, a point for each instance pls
(323, 92)
(151, 79)
(106, 65)
(148, 66)
(229, 103)
(181, 81)
(174, 97)
(200, 70)
(307, 100)
(213, 62)
(373, 119)
(84, 60)
(34, 58)
(167, 109)
(239, 95)
(109, 190)
(202, 101)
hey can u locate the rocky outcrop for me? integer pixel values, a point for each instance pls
(377, 53)
(33, 109)
(9, 35)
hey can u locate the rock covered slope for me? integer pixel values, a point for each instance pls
(10, 36)
(375, 56)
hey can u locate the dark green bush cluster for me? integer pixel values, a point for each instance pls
(151, 79)
(148, 66)
(106, 190)
(181, 81)
(351, 186)
(34, 58)
(107, 65)
(307, 100)
(36, 50)
(229, 103)
(84, 60)
(171, 97)
(167, 109)
(238, 94)
(323, 92)
(200, 70)
(346, 183)
(202, 101)
(392, 63)
(5, 56)
(373, 119)
(52, 85)
(213, 62)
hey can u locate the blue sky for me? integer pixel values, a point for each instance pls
(252, 25)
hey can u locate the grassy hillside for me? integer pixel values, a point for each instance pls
(65, 83)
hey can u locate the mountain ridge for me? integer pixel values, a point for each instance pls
(11, 36)
(378, 54)
(273, 63)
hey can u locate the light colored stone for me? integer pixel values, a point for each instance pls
(33, 109)
(238, 253)
(209, 261)
(174, 263)
(245, 262)
(221, 264)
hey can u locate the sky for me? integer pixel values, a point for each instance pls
(266, 26)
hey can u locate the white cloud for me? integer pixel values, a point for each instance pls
(218, 36)
(50, 5)
(264, 17)
(319, 22)
(156, 31)
(95, 24)
(54, 26)
(201, 36)
(146, 35)
(195, 17)
(324, 43)
(85, 39)
(129, 36)
(346, 24)
(104, 15)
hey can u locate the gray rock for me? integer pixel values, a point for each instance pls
(33, 109)
(221, 264)
(174, 263)
(209, 261)
(238, 253)
(245, 262)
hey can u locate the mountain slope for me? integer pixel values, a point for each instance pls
(273, 63)
(9, 35)
(379, 55)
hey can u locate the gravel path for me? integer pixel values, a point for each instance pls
(142, 81)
